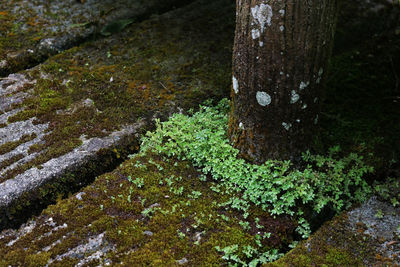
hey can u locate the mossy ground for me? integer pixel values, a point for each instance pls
(25, 24)
(167, 197)
(172, 61)
(22, 31)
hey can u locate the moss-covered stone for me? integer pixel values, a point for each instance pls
(31, 31)
(363, 236)
(9, 146)
(149, 211)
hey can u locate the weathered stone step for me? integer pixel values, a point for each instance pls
(90, 104)
(32, 30)
(364, 236)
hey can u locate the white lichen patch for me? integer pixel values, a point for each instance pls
(235, 85)
(79, 195)
(303, 85)
(98, 245)
(3, 63)
(255, 33)
(261, 44)
(320, 72)
(294, 97)
(282, 12)
(263, 98)
(298, 120)
(55, 229)
(241, 127)
(316, 119)
(287, 126)
(23, 231)
(304, 106)
(281, 28)
(262, 15)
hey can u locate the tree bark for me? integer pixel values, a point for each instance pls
(280, 57)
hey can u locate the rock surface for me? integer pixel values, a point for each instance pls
(33, 30)
(368, 235)
(97, 99)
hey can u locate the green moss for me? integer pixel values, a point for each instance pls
(338, 257)
(8, 162)
(38, 259)
(9, 146)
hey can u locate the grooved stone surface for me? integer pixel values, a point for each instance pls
(31, 30)
(34, 177)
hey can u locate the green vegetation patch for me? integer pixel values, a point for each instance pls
(172, 61)
(325, 182)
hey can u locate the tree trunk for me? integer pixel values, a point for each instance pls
(279, 60)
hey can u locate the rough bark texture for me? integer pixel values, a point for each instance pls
(279, 61)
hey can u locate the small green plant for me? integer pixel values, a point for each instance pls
(181, 235)
(389, 191)
(257, 221)
(379, 214)
(139, 182)
(245, 225)
(231, 254)
(150, 211)
(177, 191)
(194, 194)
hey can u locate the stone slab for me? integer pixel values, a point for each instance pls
(32, 30)
(368, 235)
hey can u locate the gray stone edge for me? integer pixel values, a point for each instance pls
(33, 178)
